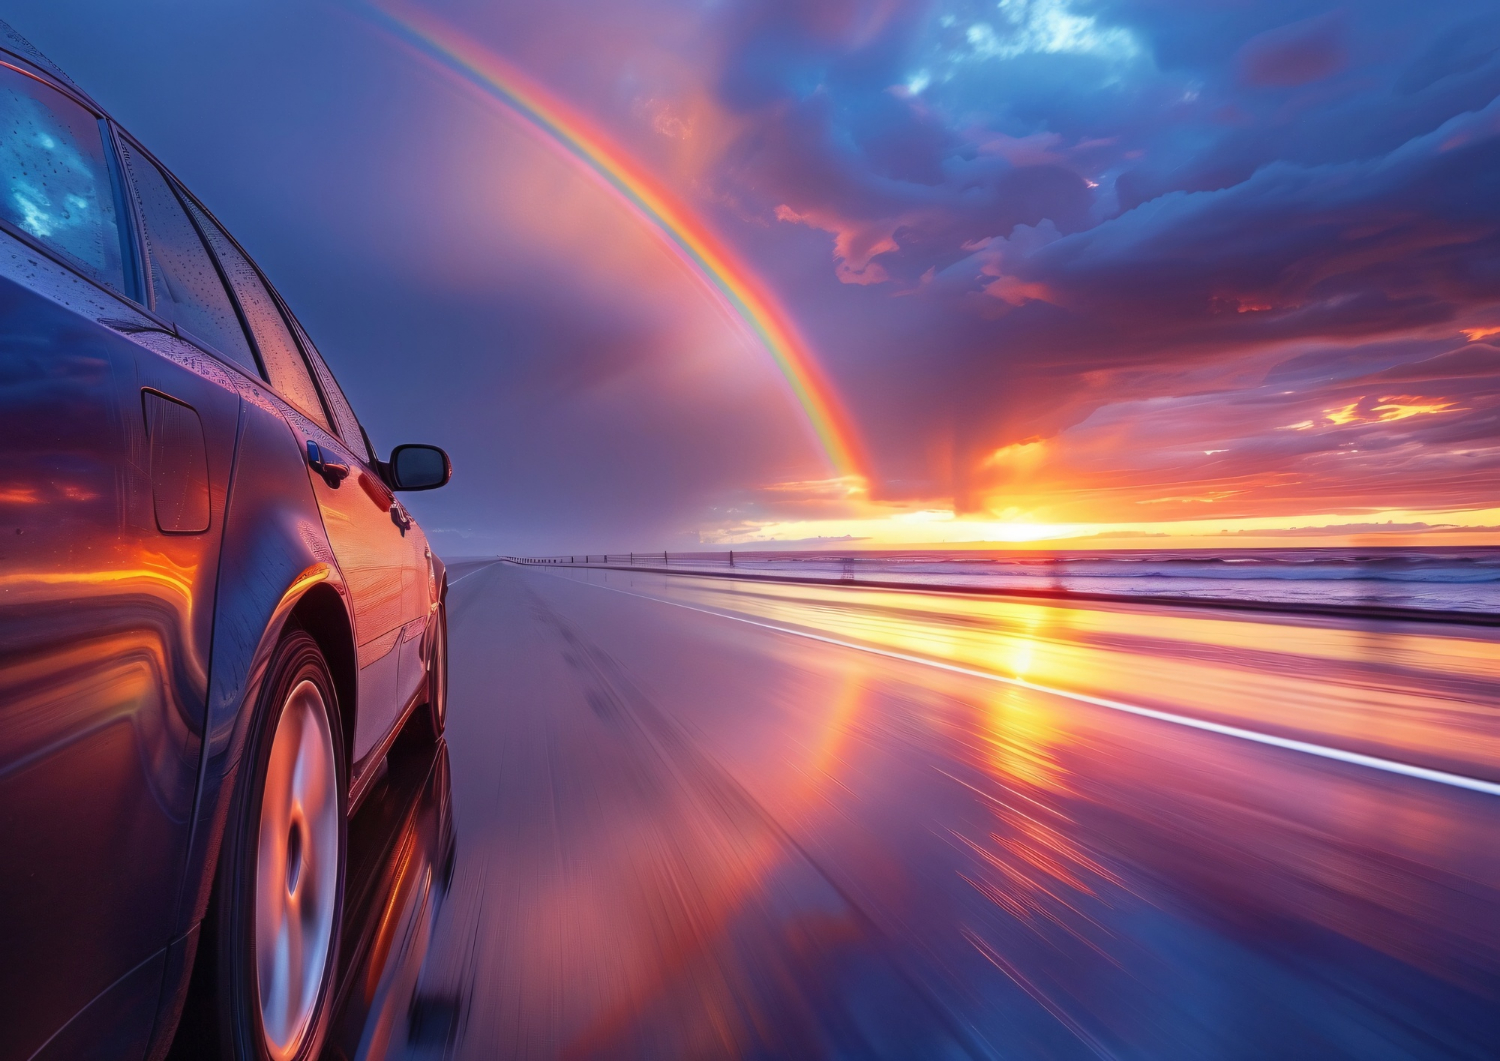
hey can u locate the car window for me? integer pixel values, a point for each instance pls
(343, 412)
(185, 285)
(54, 176)
(285, 369)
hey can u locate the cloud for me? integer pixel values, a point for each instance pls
(1047, 27)
(1388, 527)
(1456, 51)
(1294, 251)
(1305, 51)
(1480, 362)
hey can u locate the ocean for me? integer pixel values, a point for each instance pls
(1454, 579)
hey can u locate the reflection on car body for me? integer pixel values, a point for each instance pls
(215, 615)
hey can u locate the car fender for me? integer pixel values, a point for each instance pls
(275, 552)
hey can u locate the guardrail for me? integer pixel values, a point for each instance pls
(661, 559)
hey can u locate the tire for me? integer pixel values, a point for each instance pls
(265, 974)
(437, 674)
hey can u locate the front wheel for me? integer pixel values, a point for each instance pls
(272, 930)
(437, 673)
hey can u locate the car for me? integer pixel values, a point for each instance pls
(215, 614)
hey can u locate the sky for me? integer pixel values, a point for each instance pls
(687, 275)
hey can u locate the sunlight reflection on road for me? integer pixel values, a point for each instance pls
(1423, 695)
(680, 836)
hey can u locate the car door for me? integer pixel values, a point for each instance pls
(418, 580)
(118, 440)
(420, 589)
(368, 541)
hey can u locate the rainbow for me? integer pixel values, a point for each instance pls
(729, 281)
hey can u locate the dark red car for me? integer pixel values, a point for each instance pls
(215, 615)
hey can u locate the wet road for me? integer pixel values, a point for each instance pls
(680, 817)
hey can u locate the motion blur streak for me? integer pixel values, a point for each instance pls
(729, 281)
(680, 836)
(1373, 762)
(1403, 695)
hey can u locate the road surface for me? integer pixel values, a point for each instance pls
(681, 817)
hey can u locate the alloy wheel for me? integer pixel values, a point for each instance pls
(297, 871)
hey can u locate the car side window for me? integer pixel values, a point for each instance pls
(54, 177)
(185, 285)
(285, 369)
(343, 412)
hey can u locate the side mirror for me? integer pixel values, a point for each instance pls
(419, 468)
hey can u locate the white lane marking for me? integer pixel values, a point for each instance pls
(481, 567)
(1390, 766)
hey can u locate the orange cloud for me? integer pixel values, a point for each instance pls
(1392, 407)
(854, 245)
(1018, 292)
(1400, 407)
(1349, 414)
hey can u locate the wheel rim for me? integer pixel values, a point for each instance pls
(297, 871)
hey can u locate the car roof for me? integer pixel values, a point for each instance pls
(21, 48)
(13, 46)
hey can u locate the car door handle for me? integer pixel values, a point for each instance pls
(333, 474)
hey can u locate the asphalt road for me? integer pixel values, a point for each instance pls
(680, 817)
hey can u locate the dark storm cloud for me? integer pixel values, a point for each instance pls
(1406, 240)
(1090, 202)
